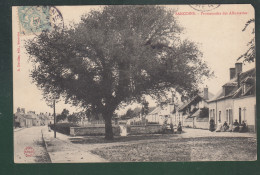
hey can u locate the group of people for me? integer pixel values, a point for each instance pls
(235, 127)
(179, 128)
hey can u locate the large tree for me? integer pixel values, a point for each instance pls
(115, 55)
(250, 54)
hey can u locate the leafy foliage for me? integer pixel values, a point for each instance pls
(250, 54)
(115, 55)
(63, 128)
(64, 114)
(73, 118)
(131, 113)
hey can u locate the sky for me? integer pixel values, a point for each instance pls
(219, 37)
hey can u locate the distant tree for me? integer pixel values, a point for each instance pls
(64, 114)
(116, 55)
(131, 113)
(250, 54)
(145, 108)
(73, 118)
(127, 115)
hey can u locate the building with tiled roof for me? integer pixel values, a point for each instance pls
(236, 100)
(161, 113)
(194, 113)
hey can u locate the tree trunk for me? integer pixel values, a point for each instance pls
(108, 127)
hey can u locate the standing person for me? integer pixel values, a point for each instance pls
(212, 125)
(179, 128)
(172, 129)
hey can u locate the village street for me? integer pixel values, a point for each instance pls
(38, 145)
(29, 146)
(192, 145)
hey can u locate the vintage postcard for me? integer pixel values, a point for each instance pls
(134, 83)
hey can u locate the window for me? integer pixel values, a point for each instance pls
(212, 114)
(229, 118)
(239, 115)
(219, 116)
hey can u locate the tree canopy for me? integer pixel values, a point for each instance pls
(250, 54)
(131, 113)
(64, 115)
(114, 55)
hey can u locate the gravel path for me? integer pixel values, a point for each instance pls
(29, 146)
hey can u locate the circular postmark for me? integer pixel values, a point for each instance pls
(204, 7)
(56, 18)
(28, 151)
(35, 19)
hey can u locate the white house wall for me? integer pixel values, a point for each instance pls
(221, 106)
(248, 110)
(247, 105)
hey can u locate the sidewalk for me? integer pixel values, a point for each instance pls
(193, 133)
(61, 150)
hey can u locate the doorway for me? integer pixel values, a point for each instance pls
(239, 115)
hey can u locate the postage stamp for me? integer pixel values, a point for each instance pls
(35, 19)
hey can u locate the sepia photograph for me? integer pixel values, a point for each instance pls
(134, 83)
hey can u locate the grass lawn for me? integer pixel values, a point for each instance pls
(183, 149)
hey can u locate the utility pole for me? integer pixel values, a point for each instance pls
(54, 114)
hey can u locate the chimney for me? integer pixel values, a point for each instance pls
(238, 67)
(238, 80)
(206, 93)
(238, 71)
(18, 109)
(23, 110)
(232, 72)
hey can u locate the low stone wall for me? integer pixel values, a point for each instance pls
(201, 125)
(92, 130)
(148, 129)
(188, 122)
(100, 130)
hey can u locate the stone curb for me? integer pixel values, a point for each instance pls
(46, 146)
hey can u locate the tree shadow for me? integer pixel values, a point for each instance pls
(101, 139)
